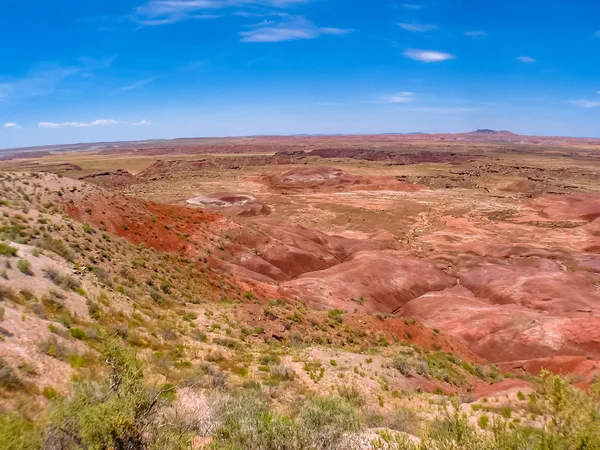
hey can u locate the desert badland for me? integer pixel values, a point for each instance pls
(420, 281)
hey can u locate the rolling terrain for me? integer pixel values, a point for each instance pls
(406, 268)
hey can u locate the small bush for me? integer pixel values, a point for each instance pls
(8, 379)
(404, 419)
(49, 392)
(282, 372)
(7, 250)
(24, 267)
(483, 422)
(402, 363)
(66, 282)
(120, 412)
(77, 333)
(6, 293)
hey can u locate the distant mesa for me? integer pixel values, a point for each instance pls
(243, 205)
(489, 131)
(485, 130)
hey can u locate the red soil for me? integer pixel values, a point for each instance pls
(162, 227)
(578, 366)
(370, 281)
(505, 332)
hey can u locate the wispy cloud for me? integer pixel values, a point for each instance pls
(526, 59)
(164, 12)
(475, 34)
(411, 6)
(583, 103)
(417, 27)
(294, 28)
(137, 84)
(597, 33)
(141, 122)
(45, 78)
(400, 97)
(77, 124)
(428, 56)
(12, 125)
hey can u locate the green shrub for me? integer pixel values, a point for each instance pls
(483, 421)
(24, 267)
(49, 392)
(120, 412)
(7, 250)
(77, 333)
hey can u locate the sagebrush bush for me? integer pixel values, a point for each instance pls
(7, 250)
(118, 412)
(8, 379)
(66, 282)
(24, 267)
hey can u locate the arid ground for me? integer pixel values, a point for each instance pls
(485, 245)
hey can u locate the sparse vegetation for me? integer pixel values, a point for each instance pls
(268, 375)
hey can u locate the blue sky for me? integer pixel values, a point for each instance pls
(102, 70)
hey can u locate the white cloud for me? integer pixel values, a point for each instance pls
(428, 56)
(11, 125)
(583, 103)
(526, 59)
(164, 12)
(411, 6)
(475, 34)
(290, 29)
(142, 122)
(77, 124)
(417, 27)
(400, 97)
(138, 84)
